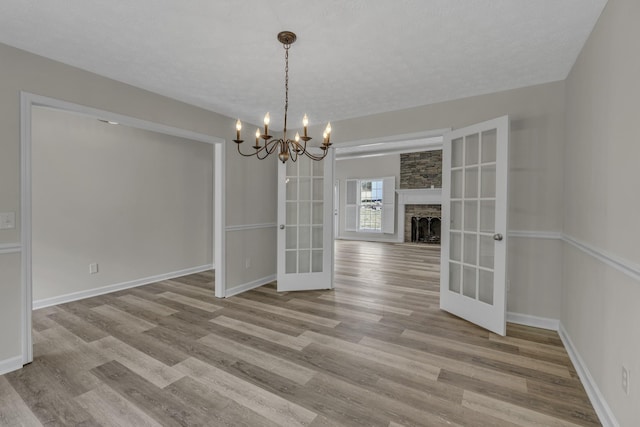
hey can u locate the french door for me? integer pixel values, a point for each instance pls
(305, 218)
(474, 223)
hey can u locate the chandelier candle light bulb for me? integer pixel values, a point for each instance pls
(288, 149)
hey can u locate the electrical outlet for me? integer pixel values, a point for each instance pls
(93, 268)
(247, 263)
(625, 380)
(7, 220)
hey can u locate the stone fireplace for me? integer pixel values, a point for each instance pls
(420, 196)
(422, 223)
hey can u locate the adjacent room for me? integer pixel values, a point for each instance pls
(389, 213)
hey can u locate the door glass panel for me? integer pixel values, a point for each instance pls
(470, 248)
(456, 215)
(305, 188)
(292, 188)
(317, 213)
(487, 245)
(304, 237)
(454, 277)
(471, 183)
(487, 216)
(305, 213)
(488, 180)
(472, 148)
(291, 262)
(455, 246)
(485, 286)
(292, 213)
(304, 261)
(456, 152)
(318, 187)
(317, 168)
(292, 238)
(316, 261)
(471, 215)
(469, 282)
(316, 238)
(304, 166)
(456, 184)
(489, 138)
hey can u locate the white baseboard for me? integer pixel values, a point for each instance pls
(533, 321)
(9, 365)
(238, 289)
(605, 414)
(74, 296)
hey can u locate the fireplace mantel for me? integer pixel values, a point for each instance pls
(420, 196)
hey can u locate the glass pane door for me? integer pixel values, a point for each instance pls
(306, 223)
(473, 282)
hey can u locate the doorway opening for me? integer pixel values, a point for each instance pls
(28, 103)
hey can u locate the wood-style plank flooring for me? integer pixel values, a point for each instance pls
(376, 351)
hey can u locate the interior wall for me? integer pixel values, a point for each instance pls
(366, 168)
(136, 202)
(23, 71)
(535, 174)
(599, 302)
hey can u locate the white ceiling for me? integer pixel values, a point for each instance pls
(352, 58)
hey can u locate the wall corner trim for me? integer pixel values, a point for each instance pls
(74, 296)
(238, 289)
(533, 321)
(10, 365)
(604, 412)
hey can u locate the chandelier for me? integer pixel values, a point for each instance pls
(287, 148)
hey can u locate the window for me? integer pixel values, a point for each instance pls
(370, 205)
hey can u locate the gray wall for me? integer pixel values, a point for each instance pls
(600, 304)
(363, 168)
(246, 179)
(136, 202)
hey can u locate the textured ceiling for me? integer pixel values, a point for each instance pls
(352, 58)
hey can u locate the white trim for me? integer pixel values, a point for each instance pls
(74, 296)
(219, 219)
(533, 321)
(251, 226)
(604, 412)
(10, 248)
(395, 139)
(535, 234)
(238, 289)
(625, 266)
(10, 365)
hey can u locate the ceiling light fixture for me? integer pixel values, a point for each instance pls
(287, 148)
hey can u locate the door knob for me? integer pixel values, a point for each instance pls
(497, 236)
(281, 226)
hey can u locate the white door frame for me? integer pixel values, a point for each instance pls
(29, 100)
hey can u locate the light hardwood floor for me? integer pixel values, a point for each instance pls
(376, 351)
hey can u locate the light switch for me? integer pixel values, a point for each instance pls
(7, 220)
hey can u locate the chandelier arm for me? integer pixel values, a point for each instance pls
(273, 144)
(250, 154)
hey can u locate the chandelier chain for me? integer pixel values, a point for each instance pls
(286, 86)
